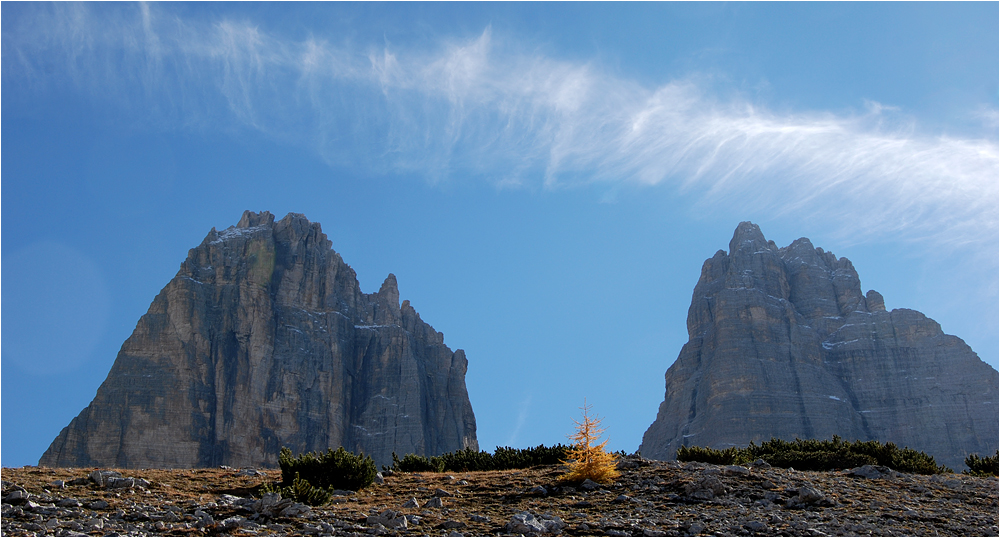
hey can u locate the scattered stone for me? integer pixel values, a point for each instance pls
(250, 471)
(524, 523)
(295, 510)
(379, 479)
(696, 528)
(233, 523)
(389, 519)
(738, 470)
(872, 471)
(755, 526)
(589, 485)
(412, 503)
(98, 505)
(809, 495)
(100, 477)
(479, 519)
(17, 496)
(553, 524)
(434, 502)
(442, 493)
(538, 490)
(57, 484)
(705, 489)
(452, 524)
(204, 518)
(68, 503)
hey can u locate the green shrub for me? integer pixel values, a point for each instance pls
(988, 466)
(338, 469)
(300, 491)
(503, 458)
(729, 456)
(818, 461)
(412, 463)
(466, 460)
(819, 455)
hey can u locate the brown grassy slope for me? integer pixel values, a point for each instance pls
(651, 498)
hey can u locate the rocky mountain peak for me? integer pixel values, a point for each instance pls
(264, 339)
(390, 290)
(748, 239)
(782, 343)
(251, 219)
(874, 301)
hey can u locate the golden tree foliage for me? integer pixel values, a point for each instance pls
(587, 459)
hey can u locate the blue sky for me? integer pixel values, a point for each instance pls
(545, 180)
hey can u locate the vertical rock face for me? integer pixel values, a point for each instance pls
(264, 339)
(782, 343)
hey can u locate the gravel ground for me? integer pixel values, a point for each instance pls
(650, 499)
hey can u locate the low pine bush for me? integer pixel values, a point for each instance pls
(819, 455)
(335, 469)
(502, 459)
(300, 491)
(988, 466)
(412, 463)
(523, 458)
(729, 456)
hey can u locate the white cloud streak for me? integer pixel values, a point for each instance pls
(479, 108)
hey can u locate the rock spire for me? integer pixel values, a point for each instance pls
(264, 339)
(782, 343)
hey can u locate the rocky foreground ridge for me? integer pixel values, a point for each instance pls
(264, 339)
(651, 498)
(782, 343)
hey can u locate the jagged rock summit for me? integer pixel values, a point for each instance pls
(782, 343)
(264, 339)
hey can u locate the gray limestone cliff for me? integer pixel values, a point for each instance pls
(264, 339)
(782, 343)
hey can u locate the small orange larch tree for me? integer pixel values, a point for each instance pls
(587, 459)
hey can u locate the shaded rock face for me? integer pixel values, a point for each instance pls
(264, 339)
(782, 343)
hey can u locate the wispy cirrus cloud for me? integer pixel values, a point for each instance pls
(485, 108)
